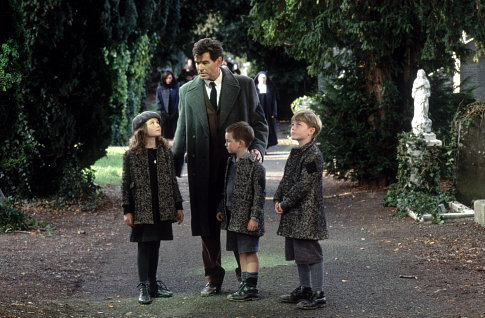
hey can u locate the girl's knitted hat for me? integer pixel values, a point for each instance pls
(141, 118)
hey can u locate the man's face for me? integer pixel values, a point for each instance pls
(207, 68)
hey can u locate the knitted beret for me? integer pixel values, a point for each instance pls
(141, 118)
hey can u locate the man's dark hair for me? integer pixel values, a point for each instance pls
(214, 48)
(241, 131)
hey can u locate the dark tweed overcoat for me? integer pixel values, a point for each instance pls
(247, 198)
(238, 102)
(300, 194)
(136, 191)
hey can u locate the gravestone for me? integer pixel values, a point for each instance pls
(470, 163)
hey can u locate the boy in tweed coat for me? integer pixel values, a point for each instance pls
(241, 211)
(299, 201)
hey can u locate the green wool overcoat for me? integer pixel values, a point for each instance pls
(238, 102)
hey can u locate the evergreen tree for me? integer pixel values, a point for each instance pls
(369, 51)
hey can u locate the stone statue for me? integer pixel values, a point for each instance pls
(421, 92)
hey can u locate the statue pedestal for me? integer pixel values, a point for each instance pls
(431, 140)
(415, 158)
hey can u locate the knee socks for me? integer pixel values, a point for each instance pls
(304, 274)
(251, 279)
(316, 271)
(311, 275)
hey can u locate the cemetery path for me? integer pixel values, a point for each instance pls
(376, 266)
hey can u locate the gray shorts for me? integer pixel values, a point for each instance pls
(241, 243)
(303, 251)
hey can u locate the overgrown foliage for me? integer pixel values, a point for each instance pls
(13, 219)
(421, 170)
(369, 51)
(71, 74)
(18, 146)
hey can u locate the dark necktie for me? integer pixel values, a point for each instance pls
(213, 97)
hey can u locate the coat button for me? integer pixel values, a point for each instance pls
(193, 136)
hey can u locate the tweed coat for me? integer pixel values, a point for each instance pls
(238, 102)
(247, 198)
(300, 195)
(136, 191)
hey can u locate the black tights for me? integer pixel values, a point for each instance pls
(148, 261)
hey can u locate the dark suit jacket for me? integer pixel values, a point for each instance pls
(238, 102)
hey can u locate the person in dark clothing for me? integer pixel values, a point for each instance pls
(151, 200)
(268, 97)
(167, 98)
(208, 104)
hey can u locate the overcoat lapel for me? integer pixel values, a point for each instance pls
(196, 101)
(229, 93)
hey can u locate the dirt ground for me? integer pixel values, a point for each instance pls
(376, 265)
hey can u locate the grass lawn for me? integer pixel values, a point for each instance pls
(109, 168)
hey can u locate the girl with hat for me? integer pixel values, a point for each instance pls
(151, 200)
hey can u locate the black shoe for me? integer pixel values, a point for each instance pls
(244, 293)
(318, 300)
(300, 293)
(144, 296)
(159, 289)
(210, 290)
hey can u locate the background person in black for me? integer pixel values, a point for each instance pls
(268, 97)
(167, 99)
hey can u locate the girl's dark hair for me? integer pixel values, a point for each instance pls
(241, 131)
(164, 78)
(137, 141)
(214, 48)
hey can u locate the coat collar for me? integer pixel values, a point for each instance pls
(229, 92)
(306, 146)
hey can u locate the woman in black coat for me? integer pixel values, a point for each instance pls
(167, 104)
(268, 97)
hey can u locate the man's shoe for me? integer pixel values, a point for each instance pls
(300, 293)
(244, 293)
(318, 300)
(144, 296)
(210, 290)
(159, 289)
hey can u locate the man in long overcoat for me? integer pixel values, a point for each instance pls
(207, 105)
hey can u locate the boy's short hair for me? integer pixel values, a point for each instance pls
(241, 131)
(309, 118)
(213, 47)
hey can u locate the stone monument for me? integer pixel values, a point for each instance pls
(421, 123)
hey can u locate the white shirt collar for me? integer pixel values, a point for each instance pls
(218, 80)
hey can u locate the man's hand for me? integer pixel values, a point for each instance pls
(256, 154)
(180, 216)
(252, 225)
(128, 219)
(219, 216)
